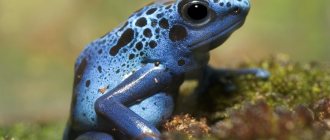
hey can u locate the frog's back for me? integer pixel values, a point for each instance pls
(95, 74)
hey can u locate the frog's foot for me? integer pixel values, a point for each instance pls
(226, 77)
(257, 72)
(95, 136)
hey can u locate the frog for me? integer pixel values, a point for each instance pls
(126, 82)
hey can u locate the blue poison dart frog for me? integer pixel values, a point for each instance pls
(125, 82)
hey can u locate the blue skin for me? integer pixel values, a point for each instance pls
(126, 81)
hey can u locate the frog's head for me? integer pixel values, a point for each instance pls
(205, 24)
(189, 25)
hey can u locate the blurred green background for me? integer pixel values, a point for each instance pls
(39, 41)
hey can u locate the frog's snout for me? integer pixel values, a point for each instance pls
(239, 7)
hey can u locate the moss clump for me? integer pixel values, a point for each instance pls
(261, 121)
(185, 124)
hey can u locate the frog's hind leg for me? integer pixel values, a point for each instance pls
(257, 72)
(224, 77)
(95, 136)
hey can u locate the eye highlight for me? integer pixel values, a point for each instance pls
(196, 12)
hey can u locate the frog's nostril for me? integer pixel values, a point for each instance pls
(236, 11)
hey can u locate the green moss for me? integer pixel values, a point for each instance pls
(32, 131)
(290, 84)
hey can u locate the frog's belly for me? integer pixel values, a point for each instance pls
(155, 109)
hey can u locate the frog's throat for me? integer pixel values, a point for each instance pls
(216, 39)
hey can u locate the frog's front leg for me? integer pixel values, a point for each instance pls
(113, 105)
(224, 77)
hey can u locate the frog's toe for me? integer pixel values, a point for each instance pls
(148, 136)
(262, 74)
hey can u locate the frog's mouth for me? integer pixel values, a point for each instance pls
(216, 39)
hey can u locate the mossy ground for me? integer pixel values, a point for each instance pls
(292, 104)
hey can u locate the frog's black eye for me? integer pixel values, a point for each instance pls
(196, 12)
